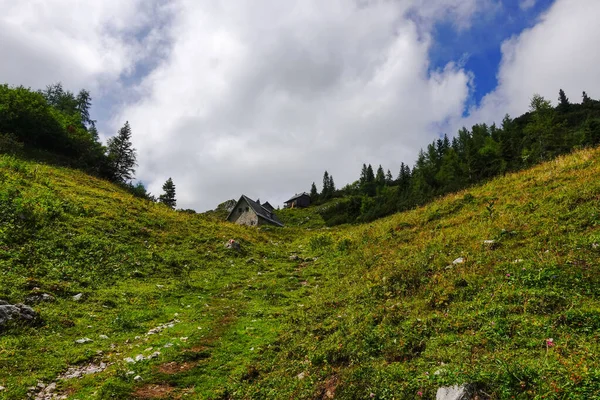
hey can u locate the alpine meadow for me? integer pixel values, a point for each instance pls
(300, 200)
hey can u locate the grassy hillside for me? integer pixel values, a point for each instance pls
(372, 311)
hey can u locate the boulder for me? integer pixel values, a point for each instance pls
(463, 392)
(16, 312)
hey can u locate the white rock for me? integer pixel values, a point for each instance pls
(103, 337)
(183, 339)
(459, 260)
(129, 373)
(453, 393)
(2, 388)
(83, 340)
(139, 357)
(168, 345)
(160, 286)
(489, 242)
(301, 375)
(154, 355)
(129, 360)
(77, 297)
(137, 378)
(518, 261)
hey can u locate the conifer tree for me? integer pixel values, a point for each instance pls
(563, 101)
(314, 194)
(122, 155)
(168, 197)
(389, 179)
(331, 186)
(380, 177)
(326, 182)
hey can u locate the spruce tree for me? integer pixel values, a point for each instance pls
(314, 194)
(325, 192)
(122, 155)
(331, 186)
(563, 101)
(168, 197)
(389, 179)
(380, 177)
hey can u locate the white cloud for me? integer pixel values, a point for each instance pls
(261, 97)
(526, 4)
(558, 52)
(82, 44)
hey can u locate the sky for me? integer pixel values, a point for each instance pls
(260, 97)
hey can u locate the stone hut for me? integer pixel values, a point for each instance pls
(252, 213)
(298, 200)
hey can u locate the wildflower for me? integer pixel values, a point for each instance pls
(550, 342)
(420, 394)
(508, 275)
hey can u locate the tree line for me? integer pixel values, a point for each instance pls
(472, 156)
(54, 126)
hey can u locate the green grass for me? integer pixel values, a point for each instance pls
(370, 311)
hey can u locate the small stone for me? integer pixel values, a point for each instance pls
(183, 339)
(154, 355)
(166, 346)
(160, 286)
(137, 378)
(301, 375)
(595, 245)
(2, 388)
(78, 296)
(83, 340)
(103, 337)
(139, 357)
(459, 260)
(129, 360)
(489, 242)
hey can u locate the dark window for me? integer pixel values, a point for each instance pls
(247, 208)
(240, 209)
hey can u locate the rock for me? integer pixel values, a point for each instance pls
(78, 372)
(137, 378)
(166, 346)
(17, 312)
(595, 245)
(301, 375)
(83, 340)
(232, 244)
(294, 257)
(456, 392)
(160, 286)
(459, 260)
(129, 360)
(2, 388)
(489, 242)
(104, 337)
(139, 357)
(154, 355)
(77, 297)
(39, 298)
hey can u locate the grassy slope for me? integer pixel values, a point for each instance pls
(381, 311)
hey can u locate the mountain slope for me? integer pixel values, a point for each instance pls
(372, 311)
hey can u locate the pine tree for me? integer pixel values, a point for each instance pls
(389, 179)
(325, 192)
(585, 100)
(314, 194)
(122, 155)
(380, 177)
(331, 186)
(563, 102)
(168, 197)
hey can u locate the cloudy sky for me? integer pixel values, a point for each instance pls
(262, 96)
